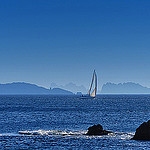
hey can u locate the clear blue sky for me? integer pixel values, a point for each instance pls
(62, 41)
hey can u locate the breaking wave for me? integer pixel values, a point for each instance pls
(52, 132)
(116, 135)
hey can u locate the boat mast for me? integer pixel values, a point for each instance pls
(95, 83)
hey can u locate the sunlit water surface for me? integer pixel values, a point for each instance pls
(60, 122)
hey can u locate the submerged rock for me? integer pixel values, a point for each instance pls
(97, 130)
(143, 132)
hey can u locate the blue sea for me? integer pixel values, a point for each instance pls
(60, 122)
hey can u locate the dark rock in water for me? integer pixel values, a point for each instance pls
(97, 130)
(143, 132)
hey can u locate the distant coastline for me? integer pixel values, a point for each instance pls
(22, 88)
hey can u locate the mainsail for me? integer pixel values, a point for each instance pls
(93, 94)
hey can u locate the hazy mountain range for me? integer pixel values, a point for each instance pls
(124, 88)
(27, 88)
(71, 88)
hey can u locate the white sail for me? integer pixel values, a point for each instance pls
(91, 84)
(93, 94)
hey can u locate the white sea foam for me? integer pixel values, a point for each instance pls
(123, 135)
(8, 134)
(52, 132)
(118, 135)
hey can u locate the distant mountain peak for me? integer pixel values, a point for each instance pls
(128, 87)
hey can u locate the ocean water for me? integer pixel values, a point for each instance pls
(60, 122)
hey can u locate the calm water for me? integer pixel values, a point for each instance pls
(58, 122)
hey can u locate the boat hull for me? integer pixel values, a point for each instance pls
(87, 97)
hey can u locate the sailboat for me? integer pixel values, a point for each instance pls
(92, 94)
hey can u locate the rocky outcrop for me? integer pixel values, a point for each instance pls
(143, 132)
(97, 130)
